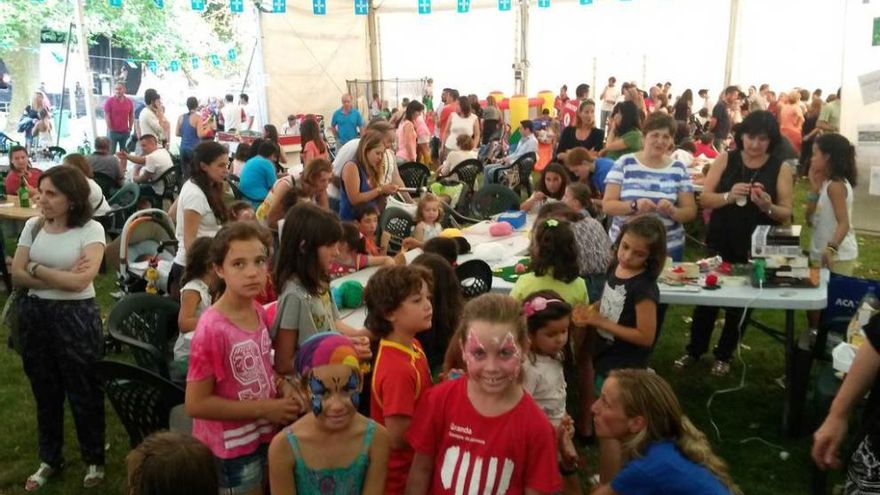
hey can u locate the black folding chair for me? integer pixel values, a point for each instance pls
(475, 277)
(398, 224)
(147, 324)
(142, 399)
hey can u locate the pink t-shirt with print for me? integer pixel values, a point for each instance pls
(239, 362)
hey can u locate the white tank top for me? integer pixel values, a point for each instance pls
(825, 223)
(459, 126)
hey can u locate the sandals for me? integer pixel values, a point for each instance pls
(38, 479)
(94, 476)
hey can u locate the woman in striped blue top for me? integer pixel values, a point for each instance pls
(649, 181)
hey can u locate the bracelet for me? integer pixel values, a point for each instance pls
(770, 211)
(32, 268)
(831, 247)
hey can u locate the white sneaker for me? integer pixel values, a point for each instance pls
(94, 476)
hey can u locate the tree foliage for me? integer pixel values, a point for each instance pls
(173, 32)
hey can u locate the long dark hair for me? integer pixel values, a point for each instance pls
(411, 109)
(554, 250)
(629, 117)
(464, 106)
(558, 169)
(310, 132)
(652, 230)
(306, 228)
(271, 133)
(841, 156)
(205, 153)
(447, 298)
(197, 260)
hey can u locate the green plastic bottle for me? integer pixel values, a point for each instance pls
(24, 196)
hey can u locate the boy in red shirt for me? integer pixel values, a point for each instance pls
(398, 301)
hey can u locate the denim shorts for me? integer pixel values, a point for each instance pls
(243, 474)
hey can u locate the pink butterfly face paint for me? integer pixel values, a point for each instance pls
(492, 356)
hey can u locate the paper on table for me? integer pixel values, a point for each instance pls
(870, 86)
(874, 183)
(869, 152)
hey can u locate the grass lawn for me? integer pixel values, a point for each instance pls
(755, 411)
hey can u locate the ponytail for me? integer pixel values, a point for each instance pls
(841, 156)
(694, 445)
(646, 394)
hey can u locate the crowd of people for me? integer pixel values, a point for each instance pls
(434, 394)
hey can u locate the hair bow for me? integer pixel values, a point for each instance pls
(537, 305)
(552, 222)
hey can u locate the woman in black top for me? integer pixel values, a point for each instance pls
(584, 133)
(744, 188)
(682, 110)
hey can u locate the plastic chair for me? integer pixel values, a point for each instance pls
(414, 174)
(147, 323)
(454, 219)
(517, 175)
(56, 152)
(170, 186)
(398, 224)
(142, 399)
(492, 199)
(122, 204)
(108, 184)
(475, 277)
(467, 172)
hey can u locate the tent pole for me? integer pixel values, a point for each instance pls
(63, 85)
(732, 29)
(373, 36)
(84, 51)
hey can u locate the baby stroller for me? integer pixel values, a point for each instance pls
(146, 235)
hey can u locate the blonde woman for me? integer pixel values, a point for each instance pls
(362, 177)
(663, 452)
(791, 120)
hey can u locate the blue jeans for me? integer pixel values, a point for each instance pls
(120, 138)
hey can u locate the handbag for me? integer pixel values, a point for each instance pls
(10, 313)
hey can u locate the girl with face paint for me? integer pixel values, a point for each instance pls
(483, 433)
(332, 449)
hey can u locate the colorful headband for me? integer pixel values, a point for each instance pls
(323, 349)
(537, 305)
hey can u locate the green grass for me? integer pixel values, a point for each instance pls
(755, 411)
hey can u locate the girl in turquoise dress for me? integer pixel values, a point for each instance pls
(332, 450)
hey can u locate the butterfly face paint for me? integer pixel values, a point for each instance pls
(492, 356)
(335, 392)
(317, 389)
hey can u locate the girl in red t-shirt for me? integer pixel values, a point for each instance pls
(483, 433)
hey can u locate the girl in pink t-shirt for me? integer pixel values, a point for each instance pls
(232, 394)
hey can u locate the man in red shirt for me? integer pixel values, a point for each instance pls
(119, 114)
(570, 107)
(450, 104)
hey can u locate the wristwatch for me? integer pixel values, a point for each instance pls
(726, 197)
(32, 268)
(633, 206)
